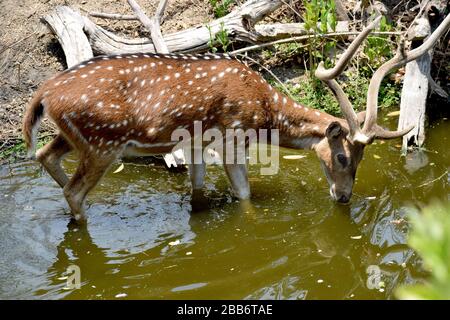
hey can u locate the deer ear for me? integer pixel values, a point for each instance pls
(334, 130)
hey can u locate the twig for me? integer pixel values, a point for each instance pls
(113, 16)
(9, 46)
(434, 180)
(159, 15)
(299, 38)
(153, 25)
(270, 72)
(293, 9)
(436, 88)
(423, 5)
(397, 6)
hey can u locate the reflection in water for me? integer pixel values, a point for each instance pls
(291, 242)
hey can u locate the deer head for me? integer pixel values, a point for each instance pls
(341, 150)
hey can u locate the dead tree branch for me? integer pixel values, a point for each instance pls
(113, 16)
(152, 25)
(67, 25)
(239, 24)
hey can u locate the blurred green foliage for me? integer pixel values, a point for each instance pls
(430, 237)
(313, 93)
(319, 17)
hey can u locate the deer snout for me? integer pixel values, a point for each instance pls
(341, 197)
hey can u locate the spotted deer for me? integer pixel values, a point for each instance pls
(131, 103)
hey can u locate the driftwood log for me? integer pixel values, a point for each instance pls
(68, 28)
(240, 26)
(415, 89)
(418, 82)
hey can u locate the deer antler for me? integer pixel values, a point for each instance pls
(370, 129)
(328, 76)
(401, 58)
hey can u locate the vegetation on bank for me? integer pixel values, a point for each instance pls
(430, 237)
(221, 7)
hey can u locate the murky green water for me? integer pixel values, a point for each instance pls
(296, 244)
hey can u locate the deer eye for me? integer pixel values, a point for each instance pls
(342, 160)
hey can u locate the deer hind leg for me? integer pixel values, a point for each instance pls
(90, 170)
(235, 166)
(237, 174)
(50, 157)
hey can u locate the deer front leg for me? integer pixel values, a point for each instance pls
(237, 174)
(197, 173)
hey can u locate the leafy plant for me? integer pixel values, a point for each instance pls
(313, 93)
(390, 94)
(219, 39)
(430, 237)
(19, 150)
(319, 17)
(377, 49)
(221, 7)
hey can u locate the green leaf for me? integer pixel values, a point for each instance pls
(430, 237)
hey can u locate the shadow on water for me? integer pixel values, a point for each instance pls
(293, 242)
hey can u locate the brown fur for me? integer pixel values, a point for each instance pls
(134, 102)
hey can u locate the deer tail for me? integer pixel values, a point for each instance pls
(31, 122)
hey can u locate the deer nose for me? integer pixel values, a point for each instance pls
(343, 199)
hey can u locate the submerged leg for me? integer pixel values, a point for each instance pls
(197, 174)
(90, 169)
(237, 174)
(50, 157)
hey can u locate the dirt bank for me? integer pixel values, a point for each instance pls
(29, 53)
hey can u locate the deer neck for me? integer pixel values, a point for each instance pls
(299, 127)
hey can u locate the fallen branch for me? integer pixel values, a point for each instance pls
(285, 30)
(67, 25)
(113, 16)
(153, 25)
(239, 24)
(434, 180)
(306, 37)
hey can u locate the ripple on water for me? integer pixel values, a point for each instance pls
(143, 241)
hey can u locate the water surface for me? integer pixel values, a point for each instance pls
(294, 244)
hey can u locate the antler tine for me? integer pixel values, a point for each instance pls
(370, 127)
(328, 76)
(374, 87)
(381, 133)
